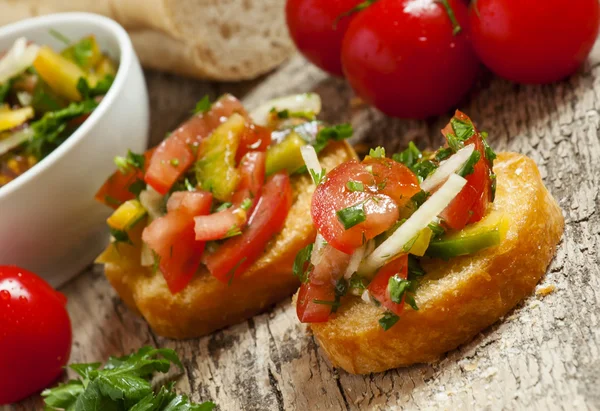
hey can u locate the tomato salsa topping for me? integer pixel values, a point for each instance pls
(45, 96)
(217, 190)
(377, 218)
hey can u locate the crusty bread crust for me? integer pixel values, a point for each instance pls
(213, 39)
(206, 304)
(457, 298)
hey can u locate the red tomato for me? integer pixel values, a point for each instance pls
(35, 334)
(219, 225)
(177, 152)
(378, 288)
(236, 254)
(254, 138)
(470, 205)
(401, 56)
(321, 286)
(173, 239)
(318, 27)
(533, 42)
(386, 185)
(115, 189)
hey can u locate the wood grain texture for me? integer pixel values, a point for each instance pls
(544, 355)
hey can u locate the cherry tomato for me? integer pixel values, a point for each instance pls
(533, 42)
(318, 27)
(173, 240)
(379, 286)
(470, 205)
(238, 253)
(176, 153)
(402, 57)
(115, 189)
(312, 305)
(225, 223)
(35, 334)
(384, 186)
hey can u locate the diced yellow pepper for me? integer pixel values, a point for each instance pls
(60, 74)
(105, 67)
(127, 215)
(216, 169)
(420, 245)
(13, 118)
(85, 53)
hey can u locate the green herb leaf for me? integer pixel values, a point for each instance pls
(85, 370)
(233, 231)
(246, 204)
(5, 89)
(64, 396)
(83, 51)
(423, 168)
(335, 133)
(437, 229)
(358, 282)
(388, 320)
(408, 157)
(203, 106)
(318, 178)
(419, 198)
(415, 271)
(355, 186)
(136, 187)
(490, 154)
(443, 153)
(377, 152)
(469, 166)
(302, 266)
(454, 142)
(462, 129)
(351, 216)
(120, 236)
(410, 300)
(100, 89)
(397, 287)
(132, 160)
(223, 206)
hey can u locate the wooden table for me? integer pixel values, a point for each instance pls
(544, 355)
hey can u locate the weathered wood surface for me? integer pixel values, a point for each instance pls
(544, 355)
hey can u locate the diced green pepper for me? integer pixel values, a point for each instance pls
(487, 233)
(85, 53)
(286, 155)
(126, 216)
(215, 169)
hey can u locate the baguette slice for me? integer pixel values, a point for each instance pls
(460, 297)
(219, 40)
(206, 304)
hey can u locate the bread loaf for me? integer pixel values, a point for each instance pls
(211, 39)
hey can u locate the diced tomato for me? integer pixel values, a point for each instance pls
(470, 205)
(177, 152)
(386, 185)
(236, 254)
(254, 138)
(312, 305)
(307, 310)
(115, 189)
(219, 225)
(173, 240)
(378, 288)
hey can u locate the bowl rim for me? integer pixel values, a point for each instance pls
(127, 58)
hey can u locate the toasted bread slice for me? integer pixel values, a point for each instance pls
(206, 304)
(460, 297)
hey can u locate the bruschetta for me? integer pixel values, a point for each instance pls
(417, 253)
(207, 224)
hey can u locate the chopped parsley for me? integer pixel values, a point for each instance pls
(419, 198)
(358, 282)
(246, 204)
(223, 206)
(132, 160)
(233, 231)
(408, 157)
(398, 287)
(120, 236)
(318, 178)
(203, 106)
(355, 186)
(437, 229)
(388, 320)
(493, 186)
(336, 133)
(302, 265)
(378, 152)
(351, 216)
(99, 89)
(443, 153)
(469, 166)
(136, 187)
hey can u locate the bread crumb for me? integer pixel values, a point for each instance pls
(472, 366)
(545, 290)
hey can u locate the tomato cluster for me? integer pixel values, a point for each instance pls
(417, 58)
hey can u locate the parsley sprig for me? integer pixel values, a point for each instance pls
(123, 384)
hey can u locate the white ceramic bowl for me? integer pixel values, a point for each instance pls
(49, 221)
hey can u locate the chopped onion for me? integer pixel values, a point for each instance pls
(315, 257)
(366, 297)
(448, 167)
(411, 227)
(307, 102)
(309, 155)
(17, 59)
(15, 139)
(357, 257)
(152, 201)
